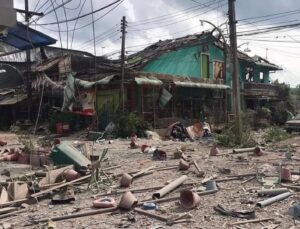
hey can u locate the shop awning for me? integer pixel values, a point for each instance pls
(201, 85)
(147, 81)
(87, 85)
(22, 38)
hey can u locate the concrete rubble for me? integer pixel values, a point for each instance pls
(194, 185)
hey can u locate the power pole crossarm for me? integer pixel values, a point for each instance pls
(235, 77)
(123, 30)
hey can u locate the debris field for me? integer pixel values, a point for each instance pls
(168, 184)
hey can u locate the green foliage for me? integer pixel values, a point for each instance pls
(263, 112)
(281, 110)
(229, 137)
(275, 134)
(129, 123)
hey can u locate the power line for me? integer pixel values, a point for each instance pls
(269, 15)
(83, 26)
(84, 15)
(176, 22)
(170, 14)
(73, 34)
(100, 40)
(175, 15)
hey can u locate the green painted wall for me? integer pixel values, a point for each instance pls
(185, 62)
(182, 62)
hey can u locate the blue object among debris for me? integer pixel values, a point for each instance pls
(22, 38)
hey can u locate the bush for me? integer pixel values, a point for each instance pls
(129, 123)
(275, 134)
(229, 137)
(280, 113)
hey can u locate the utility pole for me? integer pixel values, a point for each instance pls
(28, 61)
(123, 30)
(236, 98)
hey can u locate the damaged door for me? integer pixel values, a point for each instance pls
(106, 104)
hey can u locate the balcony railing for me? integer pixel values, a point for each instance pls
(260, 89)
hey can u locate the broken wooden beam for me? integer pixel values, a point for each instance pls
(76, 215)
(13, 213)
(251, 221)
(152, 215)
(60, 186)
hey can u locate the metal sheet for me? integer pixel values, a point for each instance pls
(13, 100)
(147, 81)
(22, 38)
(201, 85)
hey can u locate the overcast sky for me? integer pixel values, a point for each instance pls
(150, 21)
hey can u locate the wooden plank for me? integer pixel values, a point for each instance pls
(60, 186)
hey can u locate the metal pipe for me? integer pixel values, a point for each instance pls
(168, 188)
(272, 192)
(274, 199)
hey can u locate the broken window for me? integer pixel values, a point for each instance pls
(261, 77)
(205, 66)
(218, 70)
(249, 74)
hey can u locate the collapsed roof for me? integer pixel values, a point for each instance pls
(138, 60)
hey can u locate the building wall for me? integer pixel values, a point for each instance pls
(186, 62)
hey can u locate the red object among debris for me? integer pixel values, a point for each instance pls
(2, 143)
(10, 157)
(71, 174)
(286, 174)
(143, 147)
(62, 128)
(104, 203)
(257, 152)
(56, 141)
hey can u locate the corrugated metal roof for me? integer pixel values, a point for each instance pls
(13, 100)
(147, 81)
(201, 85)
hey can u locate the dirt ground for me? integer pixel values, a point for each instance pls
(232, 194)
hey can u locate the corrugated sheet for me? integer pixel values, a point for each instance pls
(201, 85)
(147, 81)
(182, 62)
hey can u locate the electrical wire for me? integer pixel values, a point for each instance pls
(36, 5)
(95, 52)
(73, 32)
(174, 16)
(269, 15)
(98, 41)
(100, 36)
(84, 15)
(162, 17)
(67, 24)
(173, 23)
(84, 26)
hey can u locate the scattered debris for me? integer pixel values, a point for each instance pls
(189, 199)
(238, 214)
